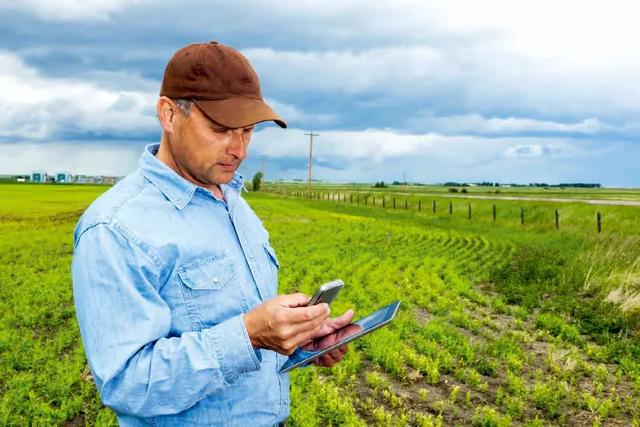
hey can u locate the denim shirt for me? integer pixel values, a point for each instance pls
(163, 272)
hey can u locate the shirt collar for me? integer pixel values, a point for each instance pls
(175, 188)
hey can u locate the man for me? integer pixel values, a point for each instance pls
(174, 279)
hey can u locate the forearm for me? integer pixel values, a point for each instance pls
(170, 375)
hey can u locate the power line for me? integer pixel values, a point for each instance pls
(311, 135)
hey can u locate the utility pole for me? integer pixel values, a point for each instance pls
(311, 135)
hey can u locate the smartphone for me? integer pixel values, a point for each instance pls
(326, 293)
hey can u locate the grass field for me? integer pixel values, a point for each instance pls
(501, 323)
(632, 194)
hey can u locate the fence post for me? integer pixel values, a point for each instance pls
(394, 203)
(406, 204)
(373, 200)
(434, 206)
(599, 222)
(450, 208)
(350, 198)
(419, 205)
(521, 216)
(557, 220)
(494, 213)
(469, 210)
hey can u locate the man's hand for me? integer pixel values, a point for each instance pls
(330, 325)
(283, 323)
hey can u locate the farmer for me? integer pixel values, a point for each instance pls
(174, 280)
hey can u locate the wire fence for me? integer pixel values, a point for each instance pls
(420, 205)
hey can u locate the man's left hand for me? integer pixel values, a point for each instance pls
(331, 325)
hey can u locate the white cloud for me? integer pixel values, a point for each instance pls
(292, 114)
(70, 10)
(385, 145)
(476, 123)
(37, 107)
(87, 157)
(376, 154)
(393, 70)
(477, 79)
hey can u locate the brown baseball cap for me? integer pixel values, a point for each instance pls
(221, 82)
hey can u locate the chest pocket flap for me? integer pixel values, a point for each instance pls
(210, 272)
(272, 254)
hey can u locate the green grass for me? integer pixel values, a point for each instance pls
(500, 323)
(632, 194)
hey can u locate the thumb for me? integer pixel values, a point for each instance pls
(343, 319)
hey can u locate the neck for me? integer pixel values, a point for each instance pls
(165, 155)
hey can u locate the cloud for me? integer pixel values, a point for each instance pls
(535, 150)
(71, 10)
(443, 90)
(41, 108)
(375, 154)
(393, 70)
(78, 157)
(380, 146)
(294, 115)
(477, 124)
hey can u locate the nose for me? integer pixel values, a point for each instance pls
(238, 145)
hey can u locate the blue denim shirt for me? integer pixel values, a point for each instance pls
(162, 274)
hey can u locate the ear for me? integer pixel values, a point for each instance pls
(166, 110)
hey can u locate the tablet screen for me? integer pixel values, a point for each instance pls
(342, 336)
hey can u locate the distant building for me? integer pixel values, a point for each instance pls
(39, 176)
(63, 177)
(109, 180)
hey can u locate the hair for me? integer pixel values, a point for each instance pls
(184, 105)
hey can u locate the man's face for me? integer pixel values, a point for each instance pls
(206, 151)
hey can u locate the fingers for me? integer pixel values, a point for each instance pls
(305, 314)
(344, 319)
(331, 358)
(310, 326)
(294, 300)
(305, 338)
(336, 323)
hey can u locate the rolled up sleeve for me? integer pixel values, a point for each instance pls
(139, 369)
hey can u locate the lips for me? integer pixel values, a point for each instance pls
(227, 167)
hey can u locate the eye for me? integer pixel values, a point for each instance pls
(218, 129)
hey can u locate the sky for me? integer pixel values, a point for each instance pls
(436, 91)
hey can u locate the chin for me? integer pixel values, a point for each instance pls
(225, 178)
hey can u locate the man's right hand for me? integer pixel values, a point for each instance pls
(284, 322)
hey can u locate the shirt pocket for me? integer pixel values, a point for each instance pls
(211, 290)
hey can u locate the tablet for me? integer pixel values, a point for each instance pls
(341, 337)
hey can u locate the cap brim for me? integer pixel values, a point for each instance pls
(239, 112)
